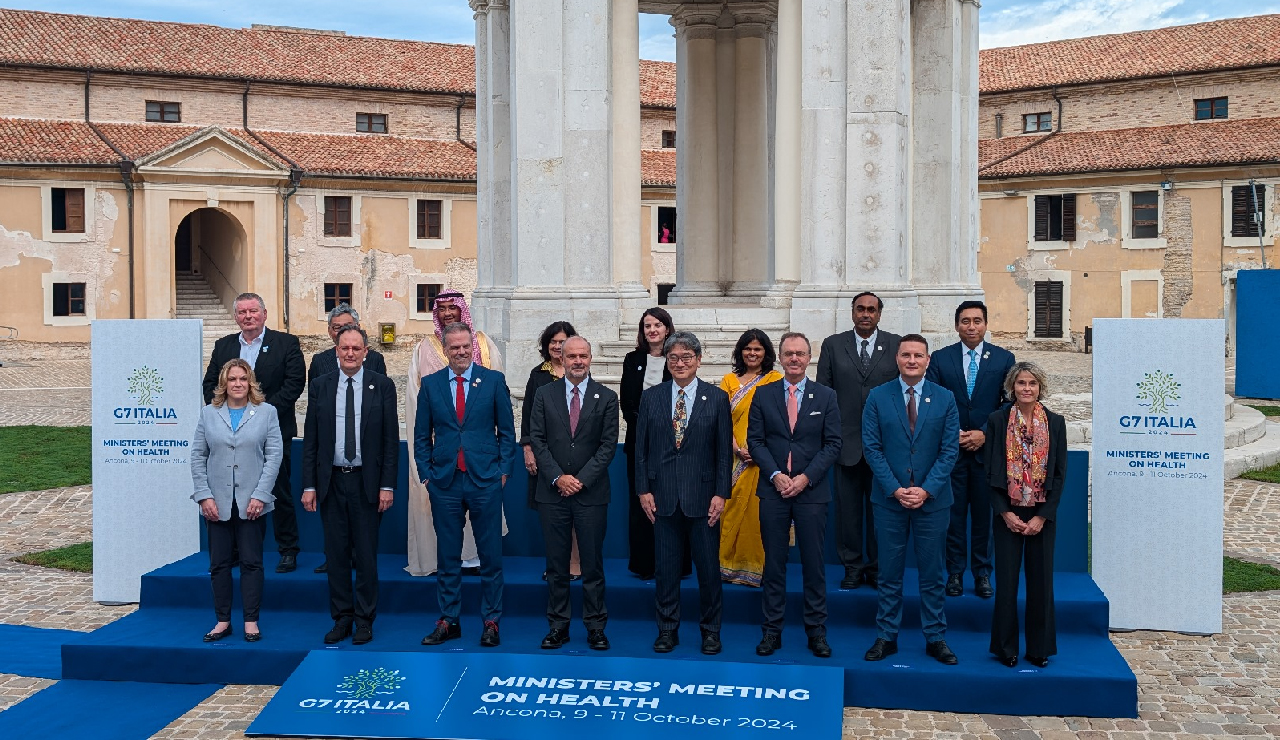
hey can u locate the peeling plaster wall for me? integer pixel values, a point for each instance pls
(25, 259)
(1177, 271)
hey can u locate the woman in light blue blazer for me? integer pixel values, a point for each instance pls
(235, 457)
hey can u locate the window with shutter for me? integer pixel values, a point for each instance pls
(337, 215)
(1145, 214)
(67, 210)
(1248, 210)
(1055, 218)
(668, 139)
(1048, 309)
(1042, 218)
(430, 219)
(1068, 222)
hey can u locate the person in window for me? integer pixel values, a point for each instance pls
(1026, 463)
(235, 458)
(429, 357)
(551, 347)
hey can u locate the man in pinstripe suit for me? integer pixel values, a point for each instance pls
(684, 457)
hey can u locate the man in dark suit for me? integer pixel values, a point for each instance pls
(574, 434)
(973, 370)
(852, 363)
(281, 372)
(323, 363)
(350, 460)
(684, 461)
(464, 443)
(909, 434)
(793, 434)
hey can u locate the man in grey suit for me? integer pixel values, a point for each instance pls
(684, 458)
(573, 428)
(852, 363)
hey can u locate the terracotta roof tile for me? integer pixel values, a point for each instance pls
(1204, 144)
(52, 142)
(658, 167)
(375, 155)
(657, 84)
(1227, 44)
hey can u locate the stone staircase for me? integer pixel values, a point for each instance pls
(196, 300)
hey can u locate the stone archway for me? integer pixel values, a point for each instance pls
(211, 243)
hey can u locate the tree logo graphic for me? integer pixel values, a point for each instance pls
(1159, 388)
(365, 683)
(145, 384)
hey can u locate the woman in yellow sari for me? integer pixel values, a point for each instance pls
(741, 552)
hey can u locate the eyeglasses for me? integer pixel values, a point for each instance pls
(681, 359)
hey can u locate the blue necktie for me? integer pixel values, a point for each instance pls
(973, 371)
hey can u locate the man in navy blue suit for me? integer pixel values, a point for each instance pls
(793, 433)
(973, 370)
(910, 430)
(464, 443)
(684, 460)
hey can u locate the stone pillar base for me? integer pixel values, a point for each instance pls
(938, 307)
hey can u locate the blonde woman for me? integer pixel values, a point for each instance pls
(235, 457)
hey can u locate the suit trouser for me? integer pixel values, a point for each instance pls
(776, 515)
(449, 509)
(1042, 639)
(970, 528)
(894, 524)
(284, 519)
(674, 535)
(225, 538)
(640, 559)
(855, 519)
(560, 520)
(351, 524)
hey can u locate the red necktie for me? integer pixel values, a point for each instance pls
(575, 410)
(460, 404)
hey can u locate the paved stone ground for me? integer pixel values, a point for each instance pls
(1189, 686)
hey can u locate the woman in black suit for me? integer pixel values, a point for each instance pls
(642, 368)
(1026, 462)
(551, 347)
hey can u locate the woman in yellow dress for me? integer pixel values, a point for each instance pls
(741, 552)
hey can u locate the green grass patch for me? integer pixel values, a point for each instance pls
(1242, 575)
(38, 458)
(1267, 410)
(1266, 475)
(78, 558)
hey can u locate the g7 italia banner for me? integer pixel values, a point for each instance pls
(1158, 398)
(146, 400)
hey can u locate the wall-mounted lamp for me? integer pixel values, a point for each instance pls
(1011, 193)
(1166, 185)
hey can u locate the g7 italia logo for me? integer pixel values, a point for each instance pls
(146, 385)
(1158, 391)
(359, 688)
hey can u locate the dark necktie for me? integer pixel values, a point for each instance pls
(349, 443)
(460, 405)
(865, 356)
(575, 409)
(911, 408)
(680, 419)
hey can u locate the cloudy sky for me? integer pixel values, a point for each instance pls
(1004, 22)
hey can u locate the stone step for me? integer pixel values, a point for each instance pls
(1260, 453)
(1245, 425)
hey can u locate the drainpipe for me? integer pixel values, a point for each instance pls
(458, 125)
(1257, 221)
(295, 178)
(126, 177)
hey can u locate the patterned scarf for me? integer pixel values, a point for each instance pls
(1026, 444)
(452, 298)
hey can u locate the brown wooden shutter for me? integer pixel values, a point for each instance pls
(1068, 218)
(1042, 218)
(422, 219)
(1242, 210)
(1048, 309)
(75, 210)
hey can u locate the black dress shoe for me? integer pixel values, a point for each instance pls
(322, 568)
(850, 581)
(955, 585)
(819, 647)
(770, 642)
(871, 580)
(555, 638)
(881, 649)
(666, 642)
(1011, 661)
(710, 643)
(473, 570)
(596, 640)
(341, 629)
(215, 636)
(982, 587)
(1037, 662)
(253, 636)
(287, 564)
(489, 638)
(363, 635)
(444, 631)
(941, 653)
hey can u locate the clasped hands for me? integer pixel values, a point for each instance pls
(912, 497)
(568, 485)
(789, 487)
(1028, 528)
(650, 508)
(972, 441)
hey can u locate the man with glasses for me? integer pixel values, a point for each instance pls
(684, 460)
(323, 363)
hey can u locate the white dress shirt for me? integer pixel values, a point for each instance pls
(249, 350)
(340, 438)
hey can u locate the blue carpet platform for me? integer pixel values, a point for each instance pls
(161, 641)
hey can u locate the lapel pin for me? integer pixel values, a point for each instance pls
(927, 400)
(370, 387)
(810, 395)
(704, 398)
(985, 355)
(252, 412)
(265, 348)
(596, 395)
(476, 383)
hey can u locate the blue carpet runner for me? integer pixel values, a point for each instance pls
(33, 651)
(103, 710)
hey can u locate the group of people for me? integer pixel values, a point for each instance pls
(955, 449)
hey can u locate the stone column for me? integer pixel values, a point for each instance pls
(697, 163)
(484, 150)
(786, 146)
(625, 130)
(494, 246)
(751, 268)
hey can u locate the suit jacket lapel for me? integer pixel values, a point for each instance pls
(852, 349)
(224, 413)
(901, 406)
(924, 404)
(367, 400)
(558, 405)
(471, 394)
(589, 394)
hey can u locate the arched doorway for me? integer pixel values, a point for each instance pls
(209, 248)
